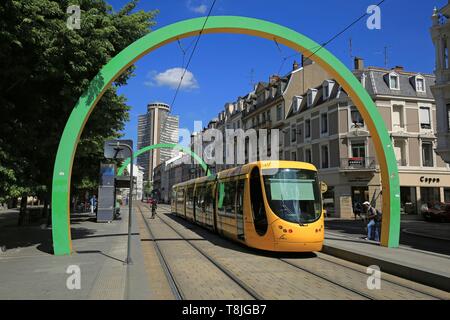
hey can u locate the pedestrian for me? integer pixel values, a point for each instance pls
(154, 207)
(357, 209)
(93, 203)
(373, 227)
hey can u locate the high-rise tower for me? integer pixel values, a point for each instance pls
(156, 126)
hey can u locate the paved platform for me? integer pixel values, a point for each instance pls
(29, 270)
(420, 266)
(415, 234)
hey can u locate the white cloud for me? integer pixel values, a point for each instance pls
(201, 9)
(171, 78)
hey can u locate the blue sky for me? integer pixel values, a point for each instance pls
(222, 65)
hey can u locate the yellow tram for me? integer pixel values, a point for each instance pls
(268, 205)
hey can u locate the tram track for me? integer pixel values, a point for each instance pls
(217, 264)
(385, 280)
(316, 274)
(323, 277)
(174, 286)
(286, 262)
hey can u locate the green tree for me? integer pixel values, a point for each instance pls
(45, 67)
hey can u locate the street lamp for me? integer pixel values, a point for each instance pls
(118, 148)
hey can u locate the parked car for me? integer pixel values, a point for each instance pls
(436, 212)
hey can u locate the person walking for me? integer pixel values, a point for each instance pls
(373, 227)
(93, 203)
(154, 207)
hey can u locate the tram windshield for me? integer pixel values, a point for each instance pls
(293, 194)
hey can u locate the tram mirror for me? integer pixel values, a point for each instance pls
(323, 187)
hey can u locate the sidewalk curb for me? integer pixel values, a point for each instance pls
(424, 235)
(424, 277)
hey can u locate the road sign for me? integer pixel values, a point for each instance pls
(113, 151)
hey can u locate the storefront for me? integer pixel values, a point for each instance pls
(408, 200)
(421, 189)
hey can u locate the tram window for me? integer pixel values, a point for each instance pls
(259, 212)
(208, 199)
(180, 196)
(174, 195)
(200, 198)
(190, 198)
(293, 194)
(226, 198)
(240, 197)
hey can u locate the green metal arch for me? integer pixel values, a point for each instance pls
(62, 243)
(165, 146)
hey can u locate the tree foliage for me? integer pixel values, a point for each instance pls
(45, 67)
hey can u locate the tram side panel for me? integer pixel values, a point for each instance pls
(226, 211)
(204, 205)
(257, 232)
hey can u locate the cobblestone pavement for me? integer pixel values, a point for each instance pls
(273, 276)
(197, 278)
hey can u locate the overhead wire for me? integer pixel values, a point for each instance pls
(192, 54)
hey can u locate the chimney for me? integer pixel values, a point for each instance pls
(274, 79)
(359, 63)
(295, 66)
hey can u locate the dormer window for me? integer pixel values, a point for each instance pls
(363, 80)
(297, 101)
(311, 96)
(327, 87)
(394, 81)
(420, 84)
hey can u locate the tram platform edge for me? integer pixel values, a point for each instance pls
(415, 265)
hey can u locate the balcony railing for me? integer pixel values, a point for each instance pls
(358, 163)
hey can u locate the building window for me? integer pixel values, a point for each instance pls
(311, 96)
(308, 157)
(448, 117)
(324, 157)
(324, 123)
(427, 154)
(297, 101)
(293, 133)
(279, 113)
(400, 152)
(326, 91)
(425, 119)
(358, 150)
(394, 82)
(420, 84)
(447, 195)
(445, 53)
(397, 118)
(294, 156)
(307, 128)
(357, 119)
(429, 195)
(408, 200)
